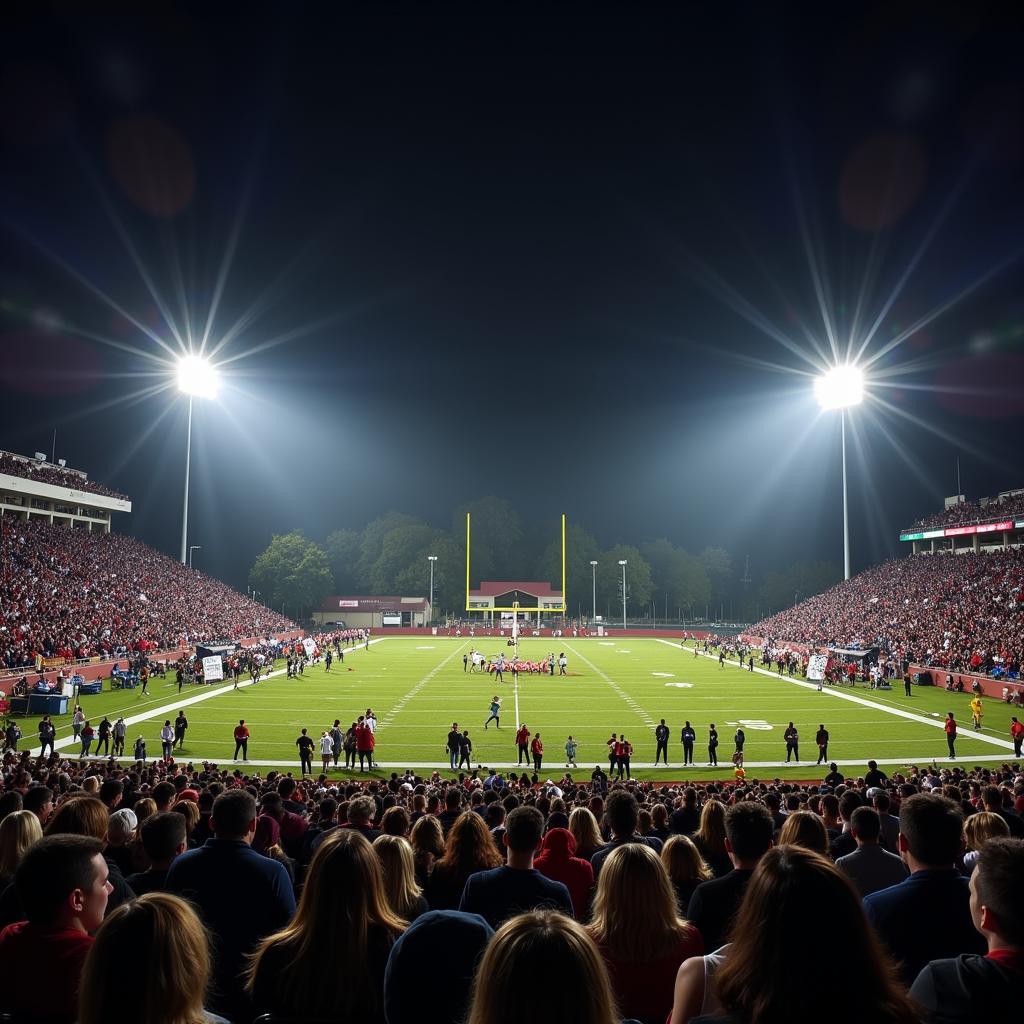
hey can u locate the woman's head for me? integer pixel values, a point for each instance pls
(583, 826)
(682, 860)
(542, 944)
(168, 985)
(979, 828)
(470, 846)
(80, 816)
(789, 891)
(802, 828)
(712, 826)
(19, 832)
(396, 861)
(635, 909)
(427, 835)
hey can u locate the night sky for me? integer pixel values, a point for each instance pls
(562, 254)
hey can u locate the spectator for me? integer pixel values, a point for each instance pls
(890, 824)
(516, 887)
(710, 838)
(585, 833)
(329, 961)
(240, 895)
(62, 885)
(979, 829)
(637, 928)
(844, 843)
(686, 868)
(869, 867)
(19, 832)
(927, 916)
(685, 819)
(410, 971)
(536, 945)
(163, 839)
(468, 849)
(753, 981)
(968, 988)
(165, 986)
(121, 834)
(803, 828)
(404, 895)
(39, 800)
(748, 837)
(622, 814)
(992, 801)
(557, 861)
(427, 847)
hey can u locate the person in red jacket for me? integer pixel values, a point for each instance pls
(537, 749)
(1017, 735)
(950, 727)
(365, 744)
(558, 862)
(242, 740)
(523, 743)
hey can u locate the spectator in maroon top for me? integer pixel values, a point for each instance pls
(557, 861)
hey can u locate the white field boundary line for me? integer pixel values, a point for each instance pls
(166, 709)
(621, 693)
(833, 691)
(390, 716)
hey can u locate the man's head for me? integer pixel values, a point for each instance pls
(992, 798)
(748, 831)
(361, 810)
(39, 800)
(164, 837)
(234, 815)
(848, 803)
(865, 825)
(524, 828)
(63, 881)
(931, 831)
(164, 794)
(453, 798)
(622, 812)
(111, 792)
(997, 893)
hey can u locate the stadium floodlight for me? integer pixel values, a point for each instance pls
(197, 378)
(431, 559)
(841, 387)
(191, 548)
(593, 588)
(622, 562)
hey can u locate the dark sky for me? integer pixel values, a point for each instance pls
(509, 248)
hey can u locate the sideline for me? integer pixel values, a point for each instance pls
(833, 691)
(166, 709)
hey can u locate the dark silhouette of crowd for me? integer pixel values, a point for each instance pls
(961, 612)
(969, 513)
(73, 594)
(58, 476)
(494, 900)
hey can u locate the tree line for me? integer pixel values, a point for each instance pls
(390, 556)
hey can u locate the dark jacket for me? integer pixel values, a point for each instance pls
(969, 988)
(713, 906)
(504, 892)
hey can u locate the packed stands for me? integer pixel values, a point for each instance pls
(47, 473)
(75, 594)
(963, 612)
(968, 513)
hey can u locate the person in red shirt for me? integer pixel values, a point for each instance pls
(950, 727)
(537, 749)
(557, 860)
(523, 743)
(1017, 735)
(242, 740)
(63, 885)
(365, 744)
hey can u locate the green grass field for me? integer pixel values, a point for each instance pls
(417, 687)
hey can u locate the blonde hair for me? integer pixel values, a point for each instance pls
(806, 829)
(583, 826)
(144, 808)
(395, 856)
(168, 985)
(19, 832)
(711, 832)
(635, 911)
(326, 945)
(189, 810)
(682, 860)
(978, 829)
(542, 944)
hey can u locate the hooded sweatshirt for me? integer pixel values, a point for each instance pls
(558, 862)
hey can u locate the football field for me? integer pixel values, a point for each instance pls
(417, 686)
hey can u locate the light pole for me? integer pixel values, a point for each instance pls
(622, 562)
(841, 388)
(593, 586)
(431, 559)
(191, 548)
(198, 379)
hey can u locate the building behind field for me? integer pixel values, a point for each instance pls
(363, 612)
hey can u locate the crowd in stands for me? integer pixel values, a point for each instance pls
(970, 512)
(186, 893)
(960, 612)
(73, 594)
(48, 473)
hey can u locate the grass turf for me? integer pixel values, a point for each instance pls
(417, 687)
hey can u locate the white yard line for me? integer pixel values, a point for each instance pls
(166, 709)
(632, 704)
(834, 691)
(390, 716)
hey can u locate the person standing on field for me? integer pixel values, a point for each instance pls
(689, 738)
(661, 735)
(495, 712)
(821, 738)
(571, 746)
(537, 749)
(242, 740)
(792, 738)
(305, 745)
(523, 743)
(712, 746)
(1017, 735)
(326, 750)
(950, 727)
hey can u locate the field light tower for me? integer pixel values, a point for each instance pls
(431, 559)
(593, 588)
(622, 562)
(197, 378)
(842, 387)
